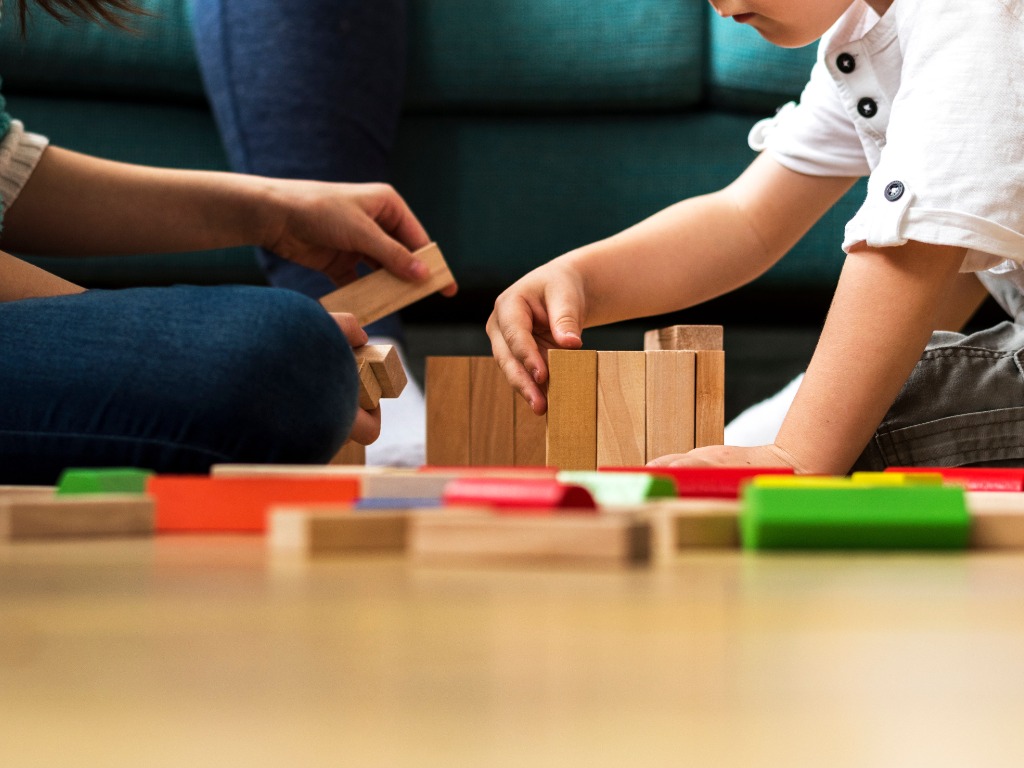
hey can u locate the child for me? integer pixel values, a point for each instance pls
(922, 96)
(176, 379)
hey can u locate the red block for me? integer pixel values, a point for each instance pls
(522, 494)
(237, 504)
(975, 478)
(706, 482)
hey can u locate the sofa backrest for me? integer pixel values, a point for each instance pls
(466, 55)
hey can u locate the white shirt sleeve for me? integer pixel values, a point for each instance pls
(952, 169)
(20, 150)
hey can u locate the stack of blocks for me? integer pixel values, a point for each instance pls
(604, 408)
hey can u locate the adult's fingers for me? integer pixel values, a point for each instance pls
(366, 427)
(350, 327)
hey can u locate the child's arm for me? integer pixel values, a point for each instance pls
(78, 204)
(688, 253)
(886, 305)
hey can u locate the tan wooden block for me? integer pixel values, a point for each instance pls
(325, 530)
(621, 409)
(997, 519)
(572, 409)
(23, 491)
(652, 341)
(516, 540)
(380, 293)
(671, 387)
(530, 435)
(447, 395)
(387, 367)
(709, 426)
(702, 523)
(28, 517)
(685, 337)
(491, 415)
(369, 388)
(350, 453)
(298, 470)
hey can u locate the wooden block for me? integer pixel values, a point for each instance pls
(621, 409)
(328, 530)
(491, 415)
(238, 504)
(572, 409)
(974, 478)
(351, 453)
(416, 485)
(702, 523)
(711, 482)
(447, 395)
(530, 434)
(671, 387)
(104, 480)
(997, 520)
(517, 493)
(22, 491)
(387, 367)
(300, 470)
(515, 540)
(27, 517)
(709, 425)
(369, 388)
(380, 293)
(685, 337)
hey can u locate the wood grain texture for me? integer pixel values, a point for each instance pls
(26, 517)
(621, 409)
(671, 388)
(997, 520)
(686, 337)
(447, 396)
(491, 415)
(317, 531)
(386, 365)
(369, 387)
(530, 434)
(380, 293)
(572, 409)
(709, 428)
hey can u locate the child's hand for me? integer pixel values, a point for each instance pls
(541, 311)
(729, 456)
(332, 227)
(366, 427)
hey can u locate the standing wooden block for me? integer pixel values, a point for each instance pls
(369, 388)
(530, 434)
(709, 427)
(671, 385)
(380, 293)
(685, 337)
(386, 366)
(621, 409)
(447, 395)
(572, 409)
(27, 517)
(491, 415)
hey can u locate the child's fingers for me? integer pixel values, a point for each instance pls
(517, 354)
(366, 427)
(350, 327)
(563, 308)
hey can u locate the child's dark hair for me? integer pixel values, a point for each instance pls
(110, 11)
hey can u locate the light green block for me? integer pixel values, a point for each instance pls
(113, 480)
(621, 488)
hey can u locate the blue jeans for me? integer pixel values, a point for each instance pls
(307, 89)
(170, 379)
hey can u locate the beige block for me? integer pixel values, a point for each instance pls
(671, 383)
(621, 409)
(491, 415)
(447, 395)
(572, 409)
(75, 516)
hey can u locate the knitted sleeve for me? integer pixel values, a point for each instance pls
(20, 150)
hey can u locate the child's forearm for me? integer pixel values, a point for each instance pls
(885, 308)
(702, 247)
(21, 280)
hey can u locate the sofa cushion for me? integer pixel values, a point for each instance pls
(747, 73)
(556, 54)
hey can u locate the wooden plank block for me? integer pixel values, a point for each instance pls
(997, 520)
(238, 504)
(32, 517)
(711, 482)
(530, 434)
(652, 341)
(330, 530)
(518, 493)
(369, 388)
(300, 470)
(671, 388)
(491, 415)
(386, 366)
(622, 489)
(21, 491)
(572, 409)
(447, 395)
(621, 409)
(709, 425)
(380, 293)
(516, 540)
(351, 453)
(685, 337)
(702, 523)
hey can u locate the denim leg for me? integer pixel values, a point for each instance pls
(963, 404)
(171, 379)
(307, 89)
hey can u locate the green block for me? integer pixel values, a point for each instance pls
(115, 480)
(621, 488)
(855, 517)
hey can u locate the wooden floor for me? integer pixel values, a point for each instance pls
(203, 651)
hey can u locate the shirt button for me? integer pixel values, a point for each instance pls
(894, 191)
(846, 63)
(867, 107)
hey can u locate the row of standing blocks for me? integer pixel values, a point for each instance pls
(604, 409)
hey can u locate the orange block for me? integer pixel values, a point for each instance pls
(237, 504)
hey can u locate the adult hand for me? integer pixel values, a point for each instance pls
(366, 427)
(729, 456)
(546, 309)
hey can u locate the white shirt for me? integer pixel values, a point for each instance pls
(928, 100)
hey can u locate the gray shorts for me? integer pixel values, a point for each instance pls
(963, 405)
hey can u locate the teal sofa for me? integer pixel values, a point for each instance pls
(531, 126)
